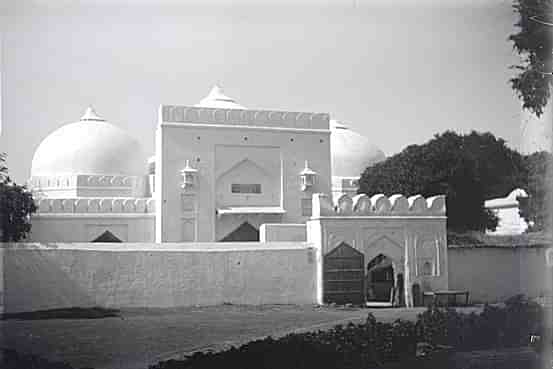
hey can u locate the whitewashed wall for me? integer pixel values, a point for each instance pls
(87, 227)
(47, 276)
(267, 147)
(410, 231)
(282, 232)
(492, 274)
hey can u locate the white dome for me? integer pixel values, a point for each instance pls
(351, 153)
(217, 99)
(91, 146)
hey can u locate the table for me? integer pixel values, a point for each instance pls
(454, 293)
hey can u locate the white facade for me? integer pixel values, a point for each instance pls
(217, 165)
(222, 172)
(248, 163)
(409, 232)
(508, 213)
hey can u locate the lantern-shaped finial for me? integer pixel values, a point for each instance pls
(189, 175)
(307, 177)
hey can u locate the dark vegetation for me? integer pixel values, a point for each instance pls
(10, 359)
(533, 42)
(468, 169)
(68, 313)
(16, 206)
(538, 177)
(400, 344)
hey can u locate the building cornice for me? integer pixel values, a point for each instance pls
(240, 117)
(223, 126)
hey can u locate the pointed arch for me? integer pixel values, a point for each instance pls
(245, 232)
(380, 279)
(107, 236)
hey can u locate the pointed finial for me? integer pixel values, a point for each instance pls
(90, 115)
(307, 170)
(217, 99)
(188, 168)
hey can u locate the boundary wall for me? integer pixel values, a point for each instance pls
(57, 275)
(493, 274)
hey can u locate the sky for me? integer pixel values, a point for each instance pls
(398, 72)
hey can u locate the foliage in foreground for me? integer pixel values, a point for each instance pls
(10, 359)
(373, 343)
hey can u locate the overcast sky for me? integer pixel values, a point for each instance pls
(396, 71)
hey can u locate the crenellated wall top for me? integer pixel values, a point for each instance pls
(95, 205)
(243, 117)
(378, 205)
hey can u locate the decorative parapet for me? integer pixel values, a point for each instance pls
(80, 180)
(240, 117)
(378, 205)
(96, 205)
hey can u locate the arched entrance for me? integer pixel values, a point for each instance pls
(343, 275)
(244, 233)
(380, 279)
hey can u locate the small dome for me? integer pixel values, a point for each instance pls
(351, 153)
(90, 146)
(217, 99)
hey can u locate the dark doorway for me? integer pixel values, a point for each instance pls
(244, 233)
(343, 275)
(107, 236)
(380, 279)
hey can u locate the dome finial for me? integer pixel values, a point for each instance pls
(217, 99)
(91, 115)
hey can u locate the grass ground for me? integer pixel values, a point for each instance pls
(145, 336)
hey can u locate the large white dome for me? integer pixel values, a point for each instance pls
(351, 152)
(91, 146)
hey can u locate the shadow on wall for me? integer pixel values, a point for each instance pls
(38, 274)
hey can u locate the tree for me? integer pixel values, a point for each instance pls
(3, 168)
(466, 168)
(535, 208)
(16, 206)
(534, 43)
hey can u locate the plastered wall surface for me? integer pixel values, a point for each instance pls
(410, 231)
(47, 276)
(75, 228)
(270, 150)
(492, 274)
(282, 232)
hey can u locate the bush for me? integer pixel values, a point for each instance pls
(495, 327)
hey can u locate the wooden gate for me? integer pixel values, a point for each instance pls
(343, 275)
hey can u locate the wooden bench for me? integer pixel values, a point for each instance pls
(451, 295)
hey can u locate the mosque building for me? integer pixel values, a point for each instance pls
(219, 171)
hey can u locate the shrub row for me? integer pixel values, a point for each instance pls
(373, 343)
(494, 327)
